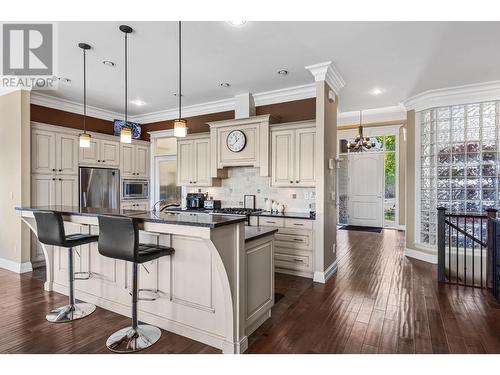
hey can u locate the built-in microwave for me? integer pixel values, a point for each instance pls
(135, 189)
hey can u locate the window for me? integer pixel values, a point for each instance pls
(459, 162)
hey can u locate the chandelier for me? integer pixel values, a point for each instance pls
(360, 142)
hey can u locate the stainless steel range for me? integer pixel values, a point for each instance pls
(238, 211)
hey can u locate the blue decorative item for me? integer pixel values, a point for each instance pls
(134, 126)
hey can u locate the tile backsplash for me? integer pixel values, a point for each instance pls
(246, 180)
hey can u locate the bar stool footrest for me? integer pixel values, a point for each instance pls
(83, 275)
(154, 292)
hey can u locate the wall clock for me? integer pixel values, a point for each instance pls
(236, 141)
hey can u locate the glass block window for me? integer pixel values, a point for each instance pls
(459, 162)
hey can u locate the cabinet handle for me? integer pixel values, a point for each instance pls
(297, 239)
(298, 260)
(300, 225)
(271, 222)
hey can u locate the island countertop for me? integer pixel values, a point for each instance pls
(252, 233)
(178, 218)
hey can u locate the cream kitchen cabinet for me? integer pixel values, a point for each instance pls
(102, 152)
(293, 148)
(134, 160)
(54, 152)
(193, 162)
(141, 205)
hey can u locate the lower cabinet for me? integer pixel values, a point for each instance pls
(294, 244)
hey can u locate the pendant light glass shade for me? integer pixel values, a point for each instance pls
(180, 128)
(84, 140)
(126, 135)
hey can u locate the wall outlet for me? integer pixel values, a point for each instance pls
(258, 191)
(294, 196)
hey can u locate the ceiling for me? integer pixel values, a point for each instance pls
(400, 58)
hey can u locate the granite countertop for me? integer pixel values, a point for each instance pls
(252, 233)
(177, 218)
(289, 215)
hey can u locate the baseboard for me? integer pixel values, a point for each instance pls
(421, 255)
(322, 277)
(285, 271)
(15, 267)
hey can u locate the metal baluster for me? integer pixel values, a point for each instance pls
(473, 246)
(449, 253)
(456, 276)
(481, 254)
(465, 251)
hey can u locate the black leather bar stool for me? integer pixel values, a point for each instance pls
(50, 228)
(119, 239)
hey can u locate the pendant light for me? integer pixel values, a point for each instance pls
(84, 137)
(180, 125)
(125, 131)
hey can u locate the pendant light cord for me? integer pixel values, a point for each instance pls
(84, 92)
(180, 71)
(126, 80)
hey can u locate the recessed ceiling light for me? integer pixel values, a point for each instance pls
(138, 102)
(225, 84)
(236, 23)
(108, 63)
(282, 72)
(63, 79)
(376, 91)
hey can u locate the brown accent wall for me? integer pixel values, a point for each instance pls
(72, 120)
(196, 124)
(297, 110)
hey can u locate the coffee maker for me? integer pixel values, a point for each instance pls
(195, 201)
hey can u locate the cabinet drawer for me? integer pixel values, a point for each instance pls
(298, 223)
(293, 240)
(272, 221)
(293, 262)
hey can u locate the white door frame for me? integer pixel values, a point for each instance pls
(377, 131)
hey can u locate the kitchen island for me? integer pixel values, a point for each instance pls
(217, 288)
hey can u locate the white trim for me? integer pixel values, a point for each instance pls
(15, 266)
(401, 227)
(161, 133)
(45, 100)
(418, 154)
(285, 95)
(422, 255)
(322, 277)
(327, 71)
(372, 130)
(477, 92)
(383, 114)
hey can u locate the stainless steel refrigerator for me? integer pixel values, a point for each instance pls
(99, 187)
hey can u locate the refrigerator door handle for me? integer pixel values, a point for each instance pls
(84, 198)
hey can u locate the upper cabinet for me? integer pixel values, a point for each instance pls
(102, 152)
(135, 160)
(193, 161)
(293, 148)
(54, 152)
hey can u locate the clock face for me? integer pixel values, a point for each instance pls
(236, 141)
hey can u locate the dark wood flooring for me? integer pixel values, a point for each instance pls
(379, 301)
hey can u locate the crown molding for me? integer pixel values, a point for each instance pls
(477, 92)
(375, 115)
(285, 95)
(74, 107)
(327, 71)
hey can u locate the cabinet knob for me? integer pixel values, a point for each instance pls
(60, 170)
(53, 179)
(98, 161)
(53, 170)
(60, 179)
(104, 161)
(297, 181)
(291, 181)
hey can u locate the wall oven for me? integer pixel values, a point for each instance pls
(135, 189)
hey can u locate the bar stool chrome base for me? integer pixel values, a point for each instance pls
(130, 340)
(69, 313)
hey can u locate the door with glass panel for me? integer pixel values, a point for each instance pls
(166, 188)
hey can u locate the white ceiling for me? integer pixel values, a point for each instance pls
(401, 58)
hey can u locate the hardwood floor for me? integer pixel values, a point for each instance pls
(379, 301)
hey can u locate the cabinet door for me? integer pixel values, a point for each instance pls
(43, 158)
(185, 163)
(201, 158)
(141, 161)
(67, 153)
(127, 160)
(110, 153)
(67, 191)
(282, 158)
(305, 149)
(90, 155)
